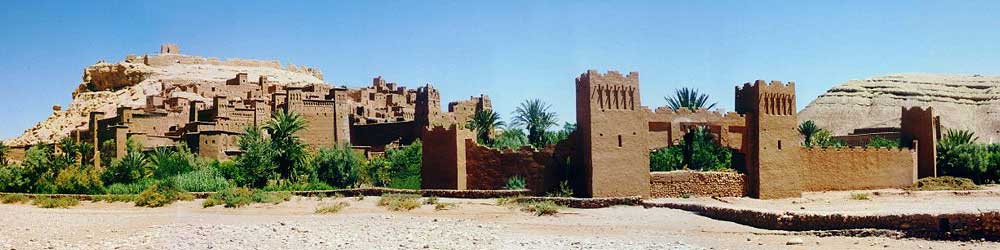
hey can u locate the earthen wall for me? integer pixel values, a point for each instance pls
(675, 184)
(826, 169)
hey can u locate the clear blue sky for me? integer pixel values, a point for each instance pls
(510, 50)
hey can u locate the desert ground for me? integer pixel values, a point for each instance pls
(473, 224)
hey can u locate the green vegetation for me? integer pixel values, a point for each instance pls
(484, 122)
(813, 136)
(944, 183)
(698, 151)
(161, 194)
(111, 198)
(49, 202)
(879, 142)
(508, 201)
(536, 118)
(241, 197)
(564, 190)
(860, 196)
(13, 198)
(515, 183)
(338, 166)
(960, 156)
(689, 99)
(541, 208)
(332, 208)
(512, 138)
(399, 202)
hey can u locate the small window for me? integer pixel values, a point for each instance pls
(779, 144)
(620, 141)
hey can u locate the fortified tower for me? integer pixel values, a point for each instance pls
(919, 130)
(613, 135)
(772, 143)
(428, 105)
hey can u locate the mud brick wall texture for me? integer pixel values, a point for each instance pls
(490, 168)
(675, 184)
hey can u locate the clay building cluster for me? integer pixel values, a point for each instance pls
(608, 154)
(370, 118)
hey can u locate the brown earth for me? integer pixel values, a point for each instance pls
(474, 224)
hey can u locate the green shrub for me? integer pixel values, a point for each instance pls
(256, 164)
(332, 208)
(272, 197)
(405, 163)
(15, 178)
(232, 197)
(161, 194)
(49, 202)
(129, 188)
(508, 201)
(282, 185)
(376, 172)
(206, 179)
(431, 200)
(860, 196)
(399, 202)
(134, 166)
(13, 198)
(879, 142)
(168, 162)
(111, 198)
(666, 159)
(444, 206)
(944, 183)
(512, 138)
(515, 183)
(564, 190)
(541, 208)
(79, 180)
(338, 166)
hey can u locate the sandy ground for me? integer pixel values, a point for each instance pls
(474, 224)
(880, 202)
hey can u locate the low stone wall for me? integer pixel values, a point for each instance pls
(693, 183)
(587, 202)
(958, 226)
(469, 194)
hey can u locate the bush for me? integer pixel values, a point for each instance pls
(879, 142)
(240, 197)
(541, 208)
(431, 200)
(515, 183)
(405, 163)
(332, 208)
(14, 178)
(281, 185)
(256, 164)
(206, 179)
(944, 183)
(444, 206)
(161, 194)
(49, 202)
(14, 198)
(129, 188)
(173, 161)
(860, 196)
(338, 166)
(272, 197)
(511, 139)
(111, 198)
(666, 159)
(508, 201)
(376, 172)
(131, 168)
(79, 180)
(564, 190)
(399, 202)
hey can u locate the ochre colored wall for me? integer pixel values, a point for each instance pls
(490, 168)
(693, 183)
(772, 142)
(614, 135)
(919, 125)
(443, 155)
(826, 169)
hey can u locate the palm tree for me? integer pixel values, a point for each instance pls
(484, 122)
(808, 130)
(688, 98)
(536, 117)
(288, 148)
(955, 137)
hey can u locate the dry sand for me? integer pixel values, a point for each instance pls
(474, 224)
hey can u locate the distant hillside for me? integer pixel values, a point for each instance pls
(963, 101)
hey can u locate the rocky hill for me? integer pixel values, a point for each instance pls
(106, 86)
(963, 101)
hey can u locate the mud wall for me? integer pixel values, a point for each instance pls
(691, 183)
(825, 169)
(490, 169)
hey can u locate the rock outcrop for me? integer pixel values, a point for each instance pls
(964, 102)
(107, 86)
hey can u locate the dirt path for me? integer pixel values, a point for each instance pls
(474, 224)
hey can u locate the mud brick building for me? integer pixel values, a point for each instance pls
(608, 154)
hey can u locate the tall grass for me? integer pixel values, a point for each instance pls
(202, 180)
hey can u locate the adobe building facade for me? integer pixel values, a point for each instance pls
(608, 154)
